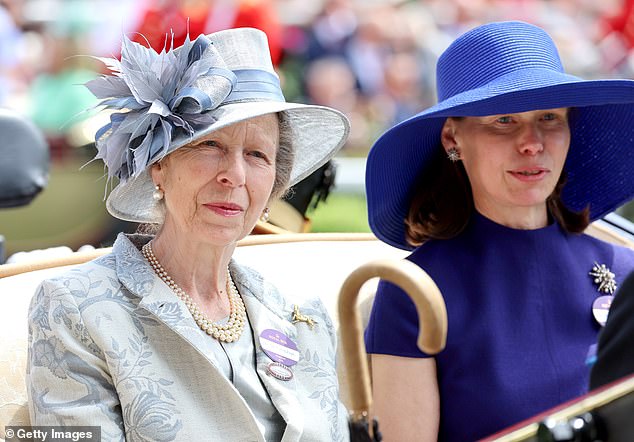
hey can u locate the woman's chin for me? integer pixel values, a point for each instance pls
(222, 235)
(532, 197)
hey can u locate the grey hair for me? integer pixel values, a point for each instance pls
(285, 156)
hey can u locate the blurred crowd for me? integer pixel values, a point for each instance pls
(372, 59)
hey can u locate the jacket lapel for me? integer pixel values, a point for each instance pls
(267, 311)
(166, 308)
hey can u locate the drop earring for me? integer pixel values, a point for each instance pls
(453, 154)
(158, 194)
(266, 213)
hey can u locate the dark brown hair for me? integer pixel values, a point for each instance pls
(442, 203)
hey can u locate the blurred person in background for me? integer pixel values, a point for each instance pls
(368, 48)
(330, 31)
(12, 50)
(403, 86)
(329, 81)
(492, 189)
(55, 103)
(622, 21)
(168, 334)
(195, 17)
(617, 38)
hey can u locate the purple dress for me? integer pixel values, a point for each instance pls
(519, 305)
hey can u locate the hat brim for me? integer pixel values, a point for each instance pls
(318, 132)
(599, 162)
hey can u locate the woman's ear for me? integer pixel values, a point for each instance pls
(156, 173)
(448, 134)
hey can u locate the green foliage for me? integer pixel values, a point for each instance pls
(342, 212)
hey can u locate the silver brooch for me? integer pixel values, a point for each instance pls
(604, 278)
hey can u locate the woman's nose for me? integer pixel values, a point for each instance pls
(531, 141)
(232, 171)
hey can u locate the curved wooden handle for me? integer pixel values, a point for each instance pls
(432, 317)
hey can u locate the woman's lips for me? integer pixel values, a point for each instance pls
(529, 174)
(225, 209)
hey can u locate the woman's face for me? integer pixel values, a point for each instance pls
(513, 161)
(217, 187)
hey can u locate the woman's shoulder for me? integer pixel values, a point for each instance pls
(102, 266)
(105, 266)
(439, 250)
(617, 258)
(279, 300)
(592, 243)
(106, 272)
(123, 263)
(74, 285)
(260, 286)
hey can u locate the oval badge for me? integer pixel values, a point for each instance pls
(279, 347)
(601, 308)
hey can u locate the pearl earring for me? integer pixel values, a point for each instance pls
(266, 213)
(453, 154)
(158, 194)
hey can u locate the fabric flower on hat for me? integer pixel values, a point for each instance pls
(158, 94)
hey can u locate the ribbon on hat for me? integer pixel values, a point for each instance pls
(160, 92)
(255, 83)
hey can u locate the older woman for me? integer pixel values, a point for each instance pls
(492, 188)
(167, 338)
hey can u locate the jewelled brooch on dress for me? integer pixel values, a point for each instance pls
(606, 284)
(603, 278)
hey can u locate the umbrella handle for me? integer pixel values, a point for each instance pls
(432, 317)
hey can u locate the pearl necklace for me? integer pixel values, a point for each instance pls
(229, 332)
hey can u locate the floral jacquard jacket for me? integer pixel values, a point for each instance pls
(111, 345)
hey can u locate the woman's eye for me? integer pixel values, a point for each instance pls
(550, 116)
(258, 154)
(209, 143)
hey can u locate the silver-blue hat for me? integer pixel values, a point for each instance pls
(163, 101)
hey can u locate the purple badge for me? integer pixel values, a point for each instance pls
(601, 307)
(279, 347)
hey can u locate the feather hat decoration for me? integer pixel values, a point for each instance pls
(163, 101)
(159, 93)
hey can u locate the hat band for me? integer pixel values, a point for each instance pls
(255, 84)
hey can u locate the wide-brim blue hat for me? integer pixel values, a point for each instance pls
(500, 68)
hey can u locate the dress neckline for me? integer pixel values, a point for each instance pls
(480, 223)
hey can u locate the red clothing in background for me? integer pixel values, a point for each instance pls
(623, 22)
(203, 17)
